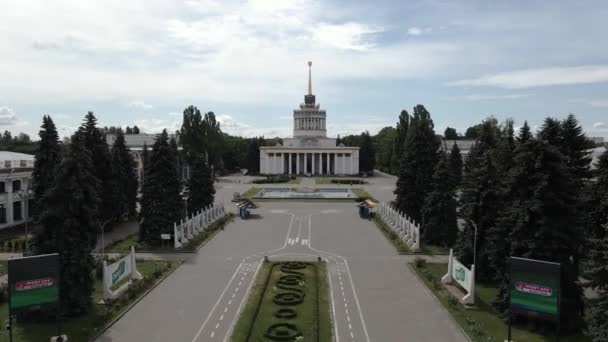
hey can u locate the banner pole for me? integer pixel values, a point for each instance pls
(10, 313)
(509, 327)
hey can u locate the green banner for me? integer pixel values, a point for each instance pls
(33, 282)
(535, 288)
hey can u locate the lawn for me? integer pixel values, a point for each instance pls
(363, 195)
(125, 244)
(250, 193)
(401, 247)
(328, 180)
(312, 321)
(3, 266)
(483, 322)
(86, 327)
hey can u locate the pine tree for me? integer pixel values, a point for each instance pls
(417, 164)
(480, 198)
(596, 201)
(46, 160)
(550, 132)
(402, 127)
(95, 141)
(542, 222)
(575, 145)
(367, 154)
(162, 204)
(524, 133)
(125, 177)
(200, 186)
(598, 274)
(69, 215)
(455, 162)
(439, 226)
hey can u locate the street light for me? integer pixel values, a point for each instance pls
(103, 243)
(474, 243)
(25, 194)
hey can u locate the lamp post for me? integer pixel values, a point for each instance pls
(25, 195)
(474, 243)
(103, 243)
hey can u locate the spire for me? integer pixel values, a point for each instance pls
(309, 78)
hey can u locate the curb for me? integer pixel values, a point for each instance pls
(137, 300)
(464, 333)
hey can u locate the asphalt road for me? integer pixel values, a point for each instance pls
(375, 297)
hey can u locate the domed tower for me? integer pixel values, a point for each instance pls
(309, 120)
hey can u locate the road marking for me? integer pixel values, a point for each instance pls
(233, 295)
(240, 283)
(225, 309)
(200, 330)
(212, 334)
(217, 326)
(238, 310)
(304, 242)
(230, 302)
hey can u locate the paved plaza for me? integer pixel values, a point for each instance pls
(375, 297)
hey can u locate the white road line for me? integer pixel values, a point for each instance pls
(352, 284)
(212, 334)
(225, 309)
(221, 317)
(238, 310)
(240, 283)
(233, 295)
(217, 326)
(230, 302)
(200, 330)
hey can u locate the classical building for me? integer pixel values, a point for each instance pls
(15, 190)
(310, 151)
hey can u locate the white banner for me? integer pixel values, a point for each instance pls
(463, 276)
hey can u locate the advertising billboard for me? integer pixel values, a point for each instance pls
(119, 270)
(461, 274)
(33, 282)
(535, 288)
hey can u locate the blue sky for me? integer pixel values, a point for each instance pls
(142, 61)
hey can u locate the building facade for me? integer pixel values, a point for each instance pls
(310, 151)
(15, 188)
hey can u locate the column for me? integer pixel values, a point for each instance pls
(328, 168)
(343, 163)
(313, 163)
(289, 156)
(305, 163)
(274, 164)
(351, 162)
(297, 163)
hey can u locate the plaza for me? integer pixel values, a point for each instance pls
(375, 296)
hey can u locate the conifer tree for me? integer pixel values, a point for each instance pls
(575, 145)
(455, 162)
(125, 177)
(70, 214)
(45, 163)
(367, 154)
(162, 204)
(596, 202)
(417, 164)
(598, 274)
(200, 186)
(524, 133)
(541, 222)
(481, 191)
(439, 226)
(550, 132)
(94, 141)
(402, 128)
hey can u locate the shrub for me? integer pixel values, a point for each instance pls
(453, 301)
(4, 293)
(420, 262)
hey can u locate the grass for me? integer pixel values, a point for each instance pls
(313, 318)
(124, 245)
(84, 328)
(362, 195)
(328, 180)
(15, 243)
(3, 266)
(402, 247)
(295, 180)
(250, 193)
(481, 323)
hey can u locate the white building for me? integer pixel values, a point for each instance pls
(15, 189)
(310, 151)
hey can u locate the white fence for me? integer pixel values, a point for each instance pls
(123, 268)
(197, 223)
(463, 276)
(405, 227)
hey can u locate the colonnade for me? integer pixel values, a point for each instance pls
(314, 163)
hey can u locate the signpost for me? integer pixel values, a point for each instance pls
(463, 276)
(535, 290)
(33, 282)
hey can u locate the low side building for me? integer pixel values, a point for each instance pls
(15, 188)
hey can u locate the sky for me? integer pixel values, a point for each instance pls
(141, 62)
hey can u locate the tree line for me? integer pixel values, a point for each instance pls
(522, 194)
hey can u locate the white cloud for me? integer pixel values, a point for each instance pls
(348, 36)
(155, 125)
(414, 31)
(541, 77)
(7, 116)
(479, 97)
(140, 105)
(599, 125)
(232, 126)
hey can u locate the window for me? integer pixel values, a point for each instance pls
(2, 214)
(2, 187)
(17, 211)
(339, 154)
(7, 164)
(16, 185)
(22, 163)
(347, 154)
(271, 154)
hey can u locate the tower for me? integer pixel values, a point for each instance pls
(309, 120)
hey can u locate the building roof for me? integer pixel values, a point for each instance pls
(136, 141)
(8, 155)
